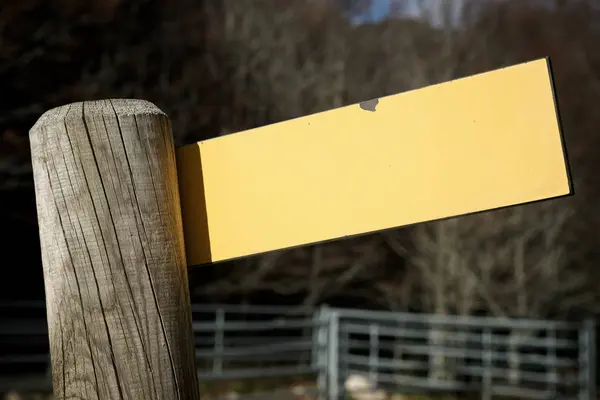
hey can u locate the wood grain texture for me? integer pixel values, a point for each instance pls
(113, 255)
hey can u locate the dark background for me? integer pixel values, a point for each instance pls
(221, 66)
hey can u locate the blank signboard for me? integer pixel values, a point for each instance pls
(486, 141)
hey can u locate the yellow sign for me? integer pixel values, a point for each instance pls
(483, 142)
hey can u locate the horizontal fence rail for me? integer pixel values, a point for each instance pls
(393, 352)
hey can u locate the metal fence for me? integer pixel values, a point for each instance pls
(236, 342)
(397, 352)
(415, 353)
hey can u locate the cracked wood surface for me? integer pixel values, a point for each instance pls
(119, 317)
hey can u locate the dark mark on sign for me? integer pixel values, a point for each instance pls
(369, 105)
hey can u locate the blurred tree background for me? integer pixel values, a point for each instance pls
(221, 66)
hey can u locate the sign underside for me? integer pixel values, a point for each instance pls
(487, 141)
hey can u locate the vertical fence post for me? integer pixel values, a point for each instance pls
(587, 361)
(320, 349)
(488, 365)
(219, 341)
(344, 353)
(551, 374)
(592, 372)
(373, 353)
(115, 275)
(332, 356)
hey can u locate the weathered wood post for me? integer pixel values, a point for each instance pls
(113, 255)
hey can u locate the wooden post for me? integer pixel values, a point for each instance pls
(117, 295)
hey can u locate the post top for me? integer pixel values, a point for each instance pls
(120, 107)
